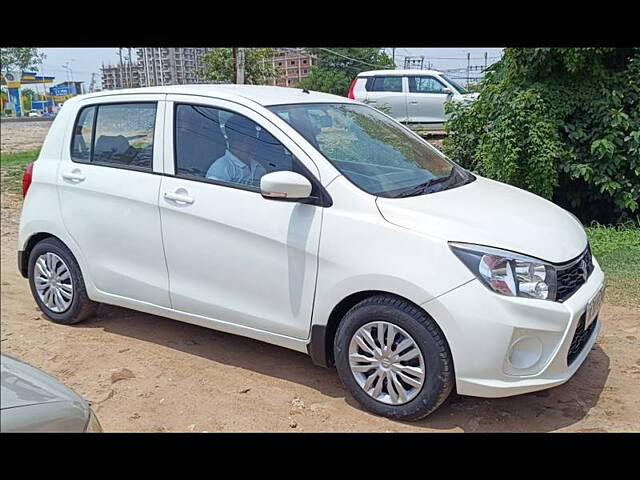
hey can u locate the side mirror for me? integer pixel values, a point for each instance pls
(447, 91)
(287, 186)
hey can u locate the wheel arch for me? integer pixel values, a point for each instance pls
(320, 346)
(23, 255)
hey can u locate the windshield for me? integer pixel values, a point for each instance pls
(373, 151)
(456, 85)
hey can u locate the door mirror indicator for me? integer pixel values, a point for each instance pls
(284, 185)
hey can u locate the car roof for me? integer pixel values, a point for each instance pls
(371, 73)
(261, 94)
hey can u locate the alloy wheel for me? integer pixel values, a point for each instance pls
(53, 282)
(387, 363)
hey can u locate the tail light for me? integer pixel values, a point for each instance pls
(26, 179)
(353, 85)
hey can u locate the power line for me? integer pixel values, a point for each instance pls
(352, 59)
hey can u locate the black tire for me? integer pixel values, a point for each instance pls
(439, 377)
(81, 306)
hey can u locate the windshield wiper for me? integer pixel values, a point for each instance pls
(426, 186)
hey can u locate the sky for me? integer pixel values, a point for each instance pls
(85, 61)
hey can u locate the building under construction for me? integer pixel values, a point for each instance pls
(182, 66)
(294, 64)
(154, 66)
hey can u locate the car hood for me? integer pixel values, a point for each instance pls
(486, 212)
(22, 385)
(466, 97)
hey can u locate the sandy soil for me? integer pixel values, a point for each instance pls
(18, 136)
(149, 374)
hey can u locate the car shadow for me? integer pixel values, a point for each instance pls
(542, 411)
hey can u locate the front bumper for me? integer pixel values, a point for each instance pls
(482, 327)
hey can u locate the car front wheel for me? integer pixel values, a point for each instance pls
(393, 358)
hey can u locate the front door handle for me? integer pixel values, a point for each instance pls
(74, 175)
(178, 197)
(413, 103)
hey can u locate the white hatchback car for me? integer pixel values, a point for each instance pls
(312, 222)
(410, 96)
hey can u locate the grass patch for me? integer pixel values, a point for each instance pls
(618, 252)
(12, 166)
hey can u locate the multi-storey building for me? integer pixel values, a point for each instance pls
(294, 65)
(123, 75)
(180, 66)
(170, 66)
(156, 66)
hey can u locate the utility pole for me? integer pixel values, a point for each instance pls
(234, 51)
(393, 50)
(239, 66)
(130, 70)
(122, 84)
(468, 66)
(485, 60)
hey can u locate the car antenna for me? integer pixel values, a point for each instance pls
(304, 90)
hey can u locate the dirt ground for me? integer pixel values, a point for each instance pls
(18, 136)
(144, 373)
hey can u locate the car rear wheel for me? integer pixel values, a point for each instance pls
(393, 358)
(57, 284)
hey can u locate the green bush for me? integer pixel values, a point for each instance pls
(561, 122)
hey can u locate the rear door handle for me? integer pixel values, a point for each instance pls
(178, 197)
(413, 103)
(74, 176)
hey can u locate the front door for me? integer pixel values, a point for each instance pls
(233, 255)
(425, 100)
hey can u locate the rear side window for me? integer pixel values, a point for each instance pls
(83, 135)
(118, 135)
(425, 85)
(384, 84)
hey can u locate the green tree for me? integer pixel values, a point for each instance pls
(258, 68)
(561, 122)
(12, 59)
(334, 69)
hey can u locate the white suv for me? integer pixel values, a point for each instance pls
(312, 222)
(410, 96)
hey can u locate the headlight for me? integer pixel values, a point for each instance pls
(508, 273)
(93, 425)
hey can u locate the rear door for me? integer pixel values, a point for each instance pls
(108, 183)
(425, 99)
(388, 93)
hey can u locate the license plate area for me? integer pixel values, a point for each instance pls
(593, 307)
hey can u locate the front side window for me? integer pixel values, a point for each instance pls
(373, 151)
(119, 134)
(384, 84)
(425, 85)
(227, 147)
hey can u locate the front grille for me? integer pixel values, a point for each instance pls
(574, 276)
(580, 338)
